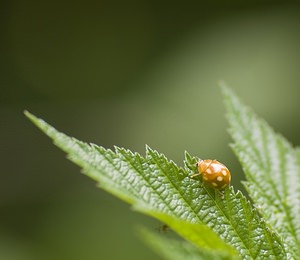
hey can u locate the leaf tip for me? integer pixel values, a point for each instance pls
(223, 85)
(148, 148)
(226, 90)
(28, 114)
(31, 117)
(187, 156)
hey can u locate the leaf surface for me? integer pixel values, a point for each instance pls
(272, 169)
(156, 186)
(176, 249)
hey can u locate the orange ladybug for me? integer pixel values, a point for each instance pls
(214, 174)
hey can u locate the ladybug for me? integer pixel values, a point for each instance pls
(214, 174)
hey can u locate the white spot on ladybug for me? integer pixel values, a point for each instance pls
(217, 167)
(214, 184)
(208, 171)
(224, 172)
(219, 178)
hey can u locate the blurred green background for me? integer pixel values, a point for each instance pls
(127, 73)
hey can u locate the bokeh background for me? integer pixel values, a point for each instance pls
(127, 73)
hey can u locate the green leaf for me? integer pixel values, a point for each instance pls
(158, 187)
(179, 250)
(190, 231)
(272, 169)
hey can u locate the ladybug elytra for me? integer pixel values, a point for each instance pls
(214, 174)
